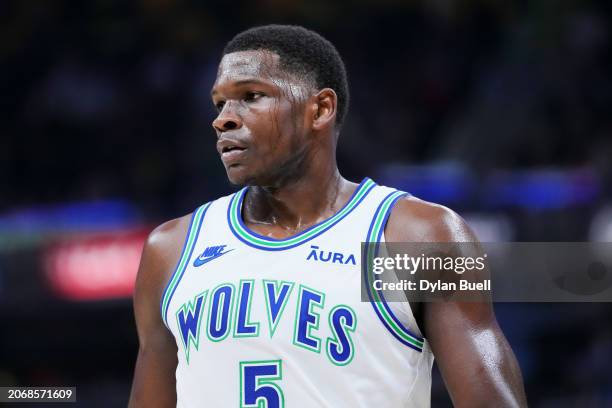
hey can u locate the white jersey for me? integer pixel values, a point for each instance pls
(263, 322)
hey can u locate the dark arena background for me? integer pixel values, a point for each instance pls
(500, 110)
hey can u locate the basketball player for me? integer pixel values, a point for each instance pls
(254, 299)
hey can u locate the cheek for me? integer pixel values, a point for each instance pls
(276, 128)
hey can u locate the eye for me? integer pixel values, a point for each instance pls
(252, 96)
(219, 105)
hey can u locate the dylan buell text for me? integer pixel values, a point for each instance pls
(418, 266)
(432, 287)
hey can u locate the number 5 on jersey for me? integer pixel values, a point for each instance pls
(257, 384)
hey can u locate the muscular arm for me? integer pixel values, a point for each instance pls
(154, 378)
(474, 357)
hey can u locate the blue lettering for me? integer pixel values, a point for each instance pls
(338, 257)
(188, 324)
(212, 251)
(328, 256)
(350, 259)
(340, 348)
(243, 328)
(219, 315)
(313, 253)
(275, 304)
(307, 319)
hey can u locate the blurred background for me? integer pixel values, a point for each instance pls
(499, 110)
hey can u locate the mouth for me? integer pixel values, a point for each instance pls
(231, 154)
(232, 148)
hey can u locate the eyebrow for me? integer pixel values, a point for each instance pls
(242, 82)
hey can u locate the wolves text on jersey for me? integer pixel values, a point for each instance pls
(226, 310)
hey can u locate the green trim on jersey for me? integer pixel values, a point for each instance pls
(259, 241)
(378, 225)
(192, 235)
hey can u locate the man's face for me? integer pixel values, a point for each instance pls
(260, 126)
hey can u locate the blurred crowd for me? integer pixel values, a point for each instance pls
(110, 100)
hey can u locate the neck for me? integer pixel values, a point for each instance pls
(297, 204)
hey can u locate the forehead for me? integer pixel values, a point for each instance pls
(255, 64)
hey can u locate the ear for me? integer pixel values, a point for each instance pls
(323, 108)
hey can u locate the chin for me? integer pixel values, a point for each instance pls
(240, 176)
(264, 176)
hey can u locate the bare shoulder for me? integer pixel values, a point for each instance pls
(153, 384)
(416, 220)
(168, 237)
(494, 381)
(160, 255)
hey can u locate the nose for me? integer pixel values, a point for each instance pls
(227, 119)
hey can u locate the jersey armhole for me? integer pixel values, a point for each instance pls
(384, 312)
(403, 309)
(188, 246)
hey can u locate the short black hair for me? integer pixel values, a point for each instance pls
(302, 52)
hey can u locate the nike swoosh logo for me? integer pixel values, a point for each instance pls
(200, 260)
